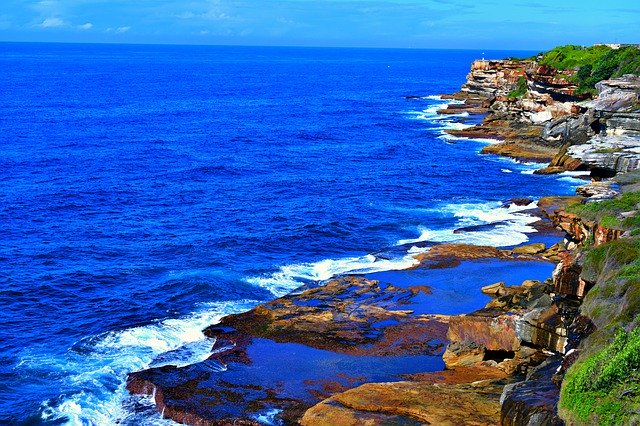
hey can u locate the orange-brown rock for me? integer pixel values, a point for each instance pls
(444, 255)
(484, 328)
(566, 277)
(521, 150)
(409, 403)
(342, 316)
(459, 375)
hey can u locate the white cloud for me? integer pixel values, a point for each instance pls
(86, 26)
(52, 23)
(119, 30)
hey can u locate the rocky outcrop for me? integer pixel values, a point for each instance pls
(602, 134)
(605, 133)
(533, 401)
(511, 332)
(619, 154)
(491, 78)
(411, 403)
(295, 351)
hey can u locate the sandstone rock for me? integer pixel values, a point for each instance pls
(535, 248)
(533, 401)
(448, 255)
(410, 403)
(460, 354)
(528, 284)
(490, 77)
(619, 154)
(571, 129)
(494, 289)
(566, 277)
(602, 190)
(618, 95)
(485, 329)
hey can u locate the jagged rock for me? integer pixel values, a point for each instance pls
(619, 154)
(496, 289)
(566, 277)
(533, 401)
(598, 190)
(571, 129)
(489, 78)
(617, 95)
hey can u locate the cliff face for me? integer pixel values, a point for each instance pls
(535, 109)
(494, 78)
(593, 320)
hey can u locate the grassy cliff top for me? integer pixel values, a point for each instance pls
(592, 64)
(603, 386)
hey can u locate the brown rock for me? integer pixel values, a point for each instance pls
(486, 329)
(461, 354)
(520, 150)
(441, 404)
(494, 289)
(447, 255)
(566, 277)
(535, 248)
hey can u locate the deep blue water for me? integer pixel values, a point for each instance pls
(147, 190)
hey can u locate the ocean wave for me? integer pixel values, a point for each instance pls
(290, 277)
(96, 368)
(508, 226)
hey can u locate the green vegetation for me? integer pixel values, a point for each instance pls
(604, 388)
(607, 150)
(593, 64)
(572, 57)
(520, 90)
(607, 212)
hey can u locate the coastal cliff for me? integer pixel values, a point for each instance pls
(595, 283)
(547, 350)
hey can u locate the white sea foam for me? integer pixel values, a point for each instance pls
(446, 136)
(290, 277)
(506, 171)
(96, 369)
(572, 178)
(511, 225)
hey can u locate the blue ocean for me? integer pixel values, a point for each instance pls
(146, 191)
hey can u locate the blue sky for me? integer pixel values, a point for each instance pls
(476, 24)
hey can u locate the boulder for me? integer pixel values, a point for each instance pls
(496, 289)
(530, 249)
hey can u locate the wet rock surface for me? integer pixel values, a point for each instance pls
(289, 354)
(411, 403)
(534, 400)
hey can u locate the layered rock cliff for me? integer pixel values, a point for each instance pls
(535, 110)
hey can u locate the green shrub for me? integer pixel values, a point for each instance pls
(603, 388)
(520, 90)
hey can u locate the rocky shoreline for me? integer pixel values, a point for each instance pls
(332, 354)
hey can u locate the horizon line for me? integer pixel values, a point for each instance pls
(266, 45)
